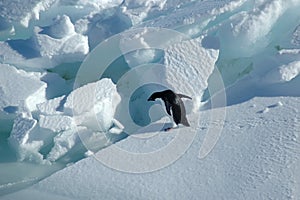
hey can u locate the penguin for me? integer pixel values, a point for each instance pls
(173, 102)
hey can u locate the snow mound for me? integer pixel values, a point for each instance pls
(62, 27)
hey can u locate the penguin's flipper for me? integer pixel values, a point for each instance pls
(184, 96)
(168, 107)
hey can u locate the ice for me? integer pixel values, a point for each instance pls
(56, 128)
(22, 127)
(63, 142)
(49, 46)
(9, 55)
(51, 107)
(65, 45)
(21, 89)
(62, 27)
(20, 139)
(75, 142)
(188, 17)
(188, 62)
(296, 37)
(145, 9)
(93, 105)
(284, 73)
(58, 83)
(33, 12)
(56, 123)
(13, 12)
(253, 27)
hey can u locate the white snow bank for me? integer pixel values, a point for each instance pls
(62, 27)
(254, 159)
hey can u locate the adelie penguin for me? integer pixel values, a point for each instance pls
(173, 102)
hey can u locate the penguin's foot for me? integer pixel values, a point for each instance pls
(168, 129)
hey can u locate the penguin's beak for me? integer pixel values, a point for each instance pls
(151, 99)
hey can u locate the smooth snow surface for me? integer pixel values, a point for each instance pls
(75, 76)
(253, 158)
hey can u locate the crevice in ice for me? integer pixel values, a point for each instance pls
(26, 48)
(11, 109)
(116, 69)
(6, 152)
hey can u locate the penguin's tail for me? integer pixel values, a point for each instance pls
(185, 122)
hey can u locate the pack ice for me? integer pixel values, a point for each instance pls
(57, 125)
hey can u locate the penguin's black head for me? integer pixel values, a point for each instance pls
(154, 96)
(151, 98)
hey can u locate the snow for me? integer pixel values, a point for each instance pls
(62, 27)
(253, 159)
(75, 76)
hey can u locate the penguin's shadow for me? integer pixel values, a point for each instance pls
(152, 128)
